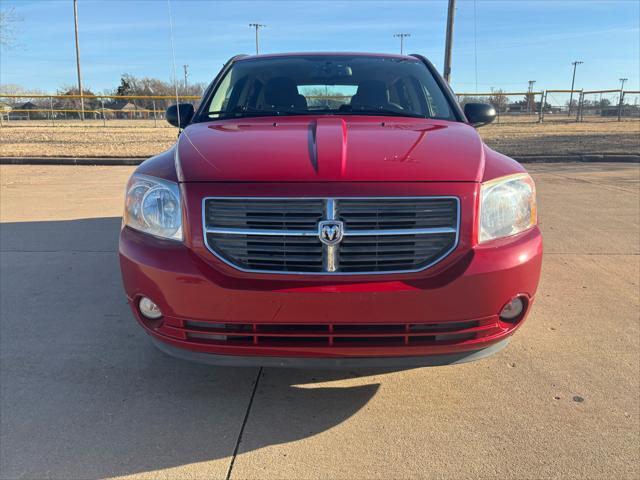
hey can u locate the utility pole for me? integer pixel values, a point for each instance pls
(449, 41)
(401, 36)
(622, 80)
(186, 74)
(530, 96)
(257, 26)
(573, 81)
(75, 20)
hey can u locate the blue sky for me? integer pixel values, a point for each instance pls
(510, 41)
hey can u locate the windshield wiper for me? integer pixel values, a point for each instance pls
(258, 112)
(384, 111)
(255, 112)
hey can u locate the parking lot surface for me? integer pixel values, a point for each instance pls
(85, 395)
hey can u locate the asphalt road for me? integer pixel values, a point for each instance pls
(85, 395)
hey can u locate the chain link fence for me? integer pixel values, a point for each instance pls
(88, 110)
(148, 111)
(560, 105)
(511, 107)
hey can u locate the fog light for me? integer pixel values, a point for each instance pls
(513, 310)
(149, 309)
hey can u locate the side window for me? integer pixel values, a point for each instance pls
(221, 97)
(436, 101)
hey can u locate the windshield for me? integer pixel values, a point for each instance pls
(328, 84)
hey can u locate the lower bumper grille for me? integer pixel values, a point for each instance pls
(330, 335)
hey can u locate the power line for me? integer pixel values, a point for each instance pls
(75, 21)
(257, 26)
(475, 39)
(173, 58)
(401, 36)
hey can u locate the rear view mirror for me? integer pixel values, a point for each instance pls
(180, 115)
(331, 71)
(479, 114)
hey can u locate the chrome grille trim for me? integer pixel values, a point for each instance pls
(314, 233)
(255, 231)
(330, 254)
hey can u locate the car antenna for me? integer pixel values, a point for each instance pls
(173, 57)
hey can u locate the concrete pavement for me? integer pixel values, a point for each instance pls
(83, 394)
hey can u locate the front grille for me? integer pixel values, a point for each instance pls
(383, 253)
(270, 252)
(264, 214)
(362, 214)
(331, 335)
(283, 235)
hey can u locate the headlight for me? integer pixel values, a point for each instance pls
(507, 206)
(152, 205)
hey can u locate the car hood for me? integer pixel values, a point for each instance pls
(330, 148)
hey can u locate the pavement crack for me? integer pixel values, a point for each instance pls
(244, 423)
(591, 182)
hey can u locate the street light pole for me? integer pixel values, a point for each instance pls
(449, 40)
(257, 26)
(573, 81)
(401, 36)
(75, 20)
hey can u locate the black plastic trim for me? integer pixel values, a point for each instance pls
(444, 86)
(200, 115)
(329, 362)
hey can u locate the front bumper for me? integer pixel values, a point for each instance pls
(330, 362)
(348, 321)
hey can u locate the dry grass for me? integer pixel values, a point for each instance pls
(133, 138)
(129, 138)
(555, 137)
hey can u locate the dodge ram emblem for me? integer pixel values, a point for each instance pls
(330, 232)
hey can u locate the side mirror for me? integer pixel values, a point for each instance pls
(182, 111)
(479, 114)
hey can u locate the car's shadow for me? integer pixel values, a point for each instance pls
(84, 394)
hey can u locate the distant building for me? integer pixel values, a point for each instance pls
(27, 111)
(516, 107)
(122, 109)
(5, 109)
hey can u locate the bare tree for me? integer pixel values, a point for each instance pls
(498, 100)
(8, 21)
(15, 89)
(132, 85)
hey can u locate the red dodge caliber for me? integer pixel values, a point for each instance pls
(330, 210)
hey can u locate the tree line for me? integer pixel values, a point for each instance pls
(130, 85)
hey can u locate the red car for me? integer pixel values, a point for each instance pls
(330, 210)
